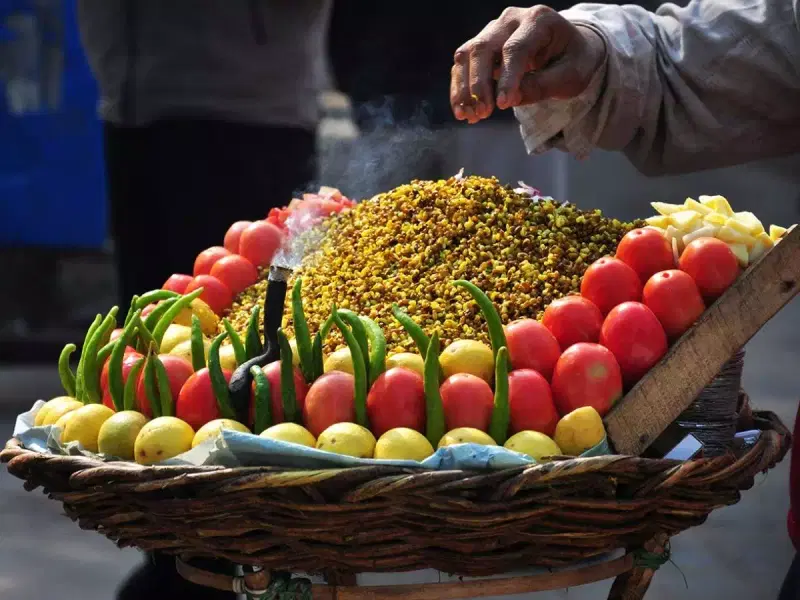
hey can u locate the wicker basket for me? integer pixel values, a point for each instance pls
(382, 519)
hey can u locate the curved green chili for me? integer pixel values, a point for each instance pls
(155, 315)
(288, 392)
(252, 341)
(434, 411)
(173, 311)
(498, 428)
(91, 367)
(236, 342)
(106, 351)
(154, 296)
(129, 395)
(167, 402)
(377, 349)
(80, 388)
(359, 370)
(263, 399)
(316, 353)
(360, 333)
(412, 329)
(302, 336)
(116, 384)
(197, 346)
(218, 382)
(326, 327)
(65, 372)
(131, 310)
(496, 333)
(147, 341)
(150, 385)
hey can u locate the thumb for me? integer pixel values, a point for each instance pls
(559, 80)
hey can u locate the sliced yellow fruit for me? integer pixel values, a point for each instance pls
(742, 254)
(749, 221)
(676, 235)
(732, 236)
(661, 221)
(715, 218)
(776, 232)
(763, 243)
(717, 203)
(692, 204)
(705, 231)
(663, 208)
(685, 219)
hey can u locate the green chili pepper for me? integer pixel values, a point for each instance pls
(252, 341)
(359, 332)
(106, 351)
(129, 396)
(65, 372)
(302, 336)
(169, 316)
(377, 349)
(154, 296)
(198, 347)
(412, 329)
(131, 309)
(116, 384)
(288, 392)
(236, 342)
(434, 412)
(263, 407)
(164, 390)
(155, 315)
(359, 369)
(316, 352)
(493, 322)
(150, 385)
(80, 389)
(326, 327)
(218, 382)
(147, 339)
(91, 367)
(498, 429)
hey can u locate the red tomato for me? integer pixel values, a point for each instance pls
(532, 346)
(712, 265)
(674, 298)
(115, 335)
(236, 272)
(206, 259)
(196, 402)
(177, 283)
(130, 359)
(231, 242)
(531, 403)
(636, 339)
(149, 308)
(586, 375)
(608, 281)
(396, 399)
(330, 400)
(215, 293)
(646, 251)
(259, 243)
(468, 401)
(178, 372)
(573, 319)
(273, 374)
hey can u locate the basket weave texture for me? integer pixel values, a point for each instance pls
(397, 519)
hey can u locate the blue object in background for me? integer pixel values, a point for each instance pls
(52, 189)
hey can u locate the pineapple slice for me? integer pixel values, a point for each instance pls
(685, 220)
(717, 203)
(702, 232)
(692, 204)
(748, 222)
(715, 219)
(763, 243)
(776, 232)
(732, 236)
(663, 208)
(742, 255)
(660, 221)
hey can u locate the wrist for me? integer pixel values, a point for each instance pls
(594, 45)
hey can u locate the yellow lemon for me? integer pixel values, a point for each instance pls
(62, 423)
(295, 353)
(402, 443)
(579, 431)
(408, 360)
(227, 357)
(340, 360)
(118, 434)
(533, 443)
(54, 409)
(184, 349)
(84, 425)
(290, 432)
(209, 321)
(466, 435)
(213, 428)
(174, 335)
(468, 356)
(349, 439)
(162, 438)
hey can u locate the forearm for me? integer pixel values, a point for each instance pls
(709, 85)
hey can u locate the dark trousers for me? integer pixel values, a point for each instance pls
(790, 590)
(175, 187)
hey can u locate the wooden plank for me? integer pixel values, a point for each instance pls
(695, 359)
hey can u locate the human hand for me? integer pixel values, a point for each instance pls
(533, 54)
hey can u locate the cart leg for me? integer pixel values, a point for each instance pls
(633, 584)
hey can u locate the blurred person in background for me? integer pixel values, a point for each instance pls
(210, 112)
(714, 84)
